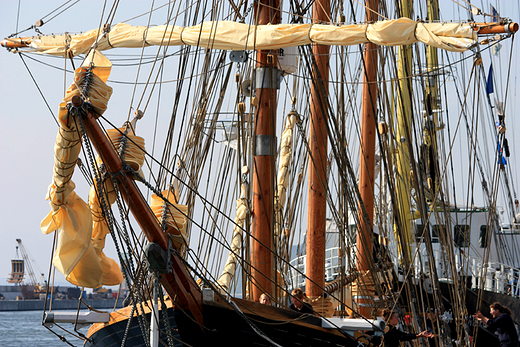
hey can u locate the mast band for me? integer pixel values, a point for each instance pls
(268, 77)
(265, 145)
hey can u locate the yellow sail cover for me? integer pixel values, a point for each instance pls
(227, 35)
(81, 236)
(173, 214)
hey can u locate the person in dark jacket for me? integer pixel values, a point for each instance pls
(502, 323)
(431, 325)
(393, 336)
(297, 302)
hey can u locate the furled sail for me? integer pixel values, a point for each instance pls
(111, 273)
(79, 253)
(226, 35)
(172, 216)
(285, 157)
(286, 145)
(228, 273)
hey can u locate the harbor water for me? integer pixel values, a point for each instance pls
(24, 329)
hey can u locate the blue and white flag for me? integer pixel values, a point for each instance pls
(494, 14)
(495, 48)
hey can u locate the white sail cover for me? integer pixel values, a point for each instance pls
(226, 35)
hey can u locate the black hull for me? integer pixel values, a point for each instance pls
(112, 335)
(257, 325)
(223, 325)
(488, 298)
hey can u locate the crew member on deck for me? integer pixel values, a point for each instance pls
(431, 322)
(264, 299)
(502, 323)
(298, 305)
(393, 336)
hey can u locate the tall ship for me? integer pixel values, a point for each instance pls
(355, 150)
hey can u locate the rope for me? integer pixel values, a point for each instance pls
(39, 90)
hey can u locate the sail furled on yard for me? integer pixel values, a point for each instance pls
(172, 216)
(227, 35)
(81, 231)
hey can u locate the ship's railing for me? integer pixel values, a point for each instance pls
(491, 276)
(332, 267)
(510, 228)
(495, 277)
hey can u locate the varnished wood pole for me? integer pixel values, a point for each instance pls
(367, 158)
(317, 189)
(262, 226)
(179, 284)
(495, 28)
(138, 206)
(18, 42)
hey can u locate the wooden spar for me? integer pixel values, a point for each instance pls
(402, 229)
(431, 141)
(432, 93)
(113, 163)
(179, 284)
(262, 225)
(495, 28)
(317, 189)
(367, 161)
(481, 28)
(18, 42)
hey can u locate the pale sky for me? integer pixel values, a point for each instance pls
(28, 130)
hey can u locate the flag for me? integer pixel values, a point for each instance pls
(495, 17)
(489, 84)
(495, 48)
(494, 14)
(501, 159)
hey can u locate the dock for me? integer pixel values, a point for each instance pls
(63, 304)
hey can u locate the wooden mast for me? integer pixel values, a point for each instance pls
(404, 122)
(432, 104)
(317, 190)
(432, 94)
(262, 226)
(367, 163)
